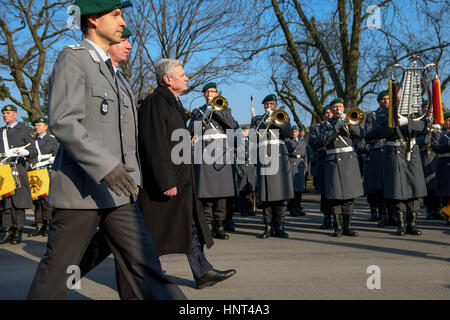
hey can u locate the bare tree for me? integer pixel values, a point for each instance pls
(27, 30)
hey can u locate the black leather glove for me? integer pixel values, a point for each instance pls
(120, 181)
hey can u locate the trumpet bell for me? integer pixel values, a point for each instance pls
(219, 104)
(279, 118)
(354, 116)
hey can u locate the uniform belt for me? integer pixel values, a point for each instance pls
(399, 143)
(214, 136)
(266, 142)
(340, 150)
(443, 155)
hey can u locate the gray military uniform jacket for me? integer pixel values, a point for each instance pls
(278, 186)
(216, 180)
(298, 160)
(342, 177)
(318, 150)
(402, 180)
(93, 115)
(47, 145)
(440, 143)
(19, 136)
(246, 172)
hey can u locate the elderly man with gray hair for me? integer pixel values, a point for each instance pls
(171, 210)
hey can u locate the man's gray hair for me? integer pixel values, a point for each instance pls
(166, 67)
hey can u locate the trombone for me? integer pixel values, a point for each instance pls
(218, 104)
(278, 117)
(354, 116)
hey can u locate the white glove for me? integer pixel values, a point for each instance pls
(339, 125)
(402, 120)
(20, 152)
(208, 111)
(343, 116)
(44, 157)
(436, 126)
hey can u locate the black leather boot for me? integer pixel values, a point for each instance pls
(373, 214)
(279, 231)
(267, 233)
(347, 226)
(219, 231)
(38, 231)
(293, 212)
(17, 238)
(326, 222)
(338, 229)
(7, 236)
(46, 229)
(401, 226)
(383, 216)
(411, 227)
(301, 211)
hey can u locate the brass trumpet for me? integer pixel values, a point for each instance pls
(354, 116)
(219, 104)
(279, 118)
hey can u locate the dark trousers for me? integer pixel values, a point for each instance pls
(42, 210)
(197, 259)
(274, 212)
(13, 218)
(70, 234)
(295, 202)
(324, 206)
(215, 209)
(432, 202)
(340, 207)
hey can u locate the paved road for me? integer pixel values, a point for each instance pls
(311, 264)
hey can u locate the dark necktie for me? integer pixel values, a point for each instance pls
(110, 67)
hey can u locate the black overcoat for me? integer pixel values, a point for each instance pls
(429, 158)
(440, 143)
(168, 220)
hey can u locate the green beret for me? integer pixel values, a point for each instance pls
(244, 128)
(209, 85)
(382, 94)
(424, 103)
(337, 100)
(446, 115)
(9, 107)
(270, 97)
(99, 6)
(325, 109)
(40, 120)
(126, 33)
(294, 127)
(301, 129)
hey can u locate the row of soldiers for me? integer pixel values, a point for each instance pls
(23, 150)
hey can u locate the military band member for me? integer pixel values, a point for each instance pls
(342, 178)
(319, 163)
(214, 182)
(246, 179)
(18, 146)
(429, 164)
(403, 180)
(298, 167)
(96, 173)
(47, 146)
(274, 190)
(440, 144)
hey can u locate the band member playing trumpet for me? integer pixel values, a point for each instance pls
(214, 181)
(18, 146)
(342, 177)
(274, 190)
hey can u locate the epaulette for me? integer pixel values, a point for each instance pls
(75, 47)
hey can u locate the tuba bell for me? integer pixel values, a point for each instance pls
(354, 116)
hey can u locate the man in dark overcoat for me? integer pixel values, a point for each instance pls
(172, 212)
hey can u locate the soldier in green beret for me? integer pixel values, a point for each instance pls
(96, 173)
(210, 85)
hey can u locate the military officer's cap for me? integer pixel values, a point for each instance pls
(446, 115)
(40, 120)
(208, 86)
(382, 94)
(325, 109)
(9, 107)
(270, 97)
(337, 100)
(126, 33)
(424, 103)
(294, 127)
(99, 6)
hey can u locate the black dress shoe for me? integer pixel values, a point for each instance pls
(266, 234)
(38, 231)
(280, 233)
(293, 212)
(301, 212)
(213, 276)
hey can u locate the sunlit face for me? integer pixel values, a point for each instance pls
(296, 132)
(272, 105)
(447, 123)
(425, 109)
(209, 94)
(245, 133)
(40, 128)
(119, 52)
(337, 109)
(328, 114)
(109, 26)
(177, 83)
(384, 102)
(301, 134)
(9, 117)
